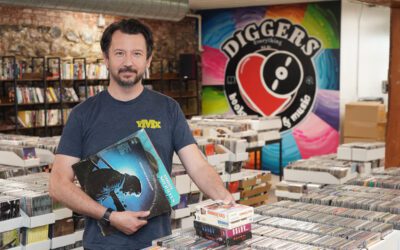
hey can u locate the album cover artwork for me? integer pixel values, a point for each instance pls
(127, 176)
(9, 239)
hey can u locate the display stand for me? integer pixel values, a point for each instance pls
(15, 248)
(37, 221)
(38, 245)
(10, 224)
(317, 177)
(62, 241)
(180, 213)
(289, 195)
(62, 213)
(78, 235)
(390, 242)
(12, 159)
(45, 155)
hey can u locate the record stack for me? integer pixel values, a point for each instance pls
(34, 235)
(255, 130)
(184, 239)
(367, 156)
(190, 196)
(8, 171)
(228, 224)
(304, 176)
(9, 226)
(383, 181)
(393, 171)
(36, 209)
(67, 229)
(28, 148)
(322, 170)
(332, 213)
(237, 152)
(356, 197)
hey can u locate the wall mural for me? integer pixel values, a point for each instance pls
(277, 61)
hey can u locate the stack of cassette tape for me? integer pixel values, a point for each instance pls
(227, 224)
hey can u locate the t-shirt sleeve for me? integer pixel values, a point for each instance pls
(182, 135)
(71, 138)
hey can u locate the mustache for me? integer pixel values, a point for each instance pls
(127, 69)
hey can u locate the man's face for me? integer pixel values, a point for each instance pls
(126, 59)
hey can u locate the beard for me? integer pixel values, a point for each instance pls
(127, 83)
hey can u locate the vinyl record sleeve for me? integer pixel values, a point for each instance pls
(128, 175)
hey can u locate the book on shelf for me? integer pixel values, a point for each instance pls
(96, 71)
(128, 175)
(6, 69)
(36, 118)
(72, 70)
(91, 90)
(69, 95)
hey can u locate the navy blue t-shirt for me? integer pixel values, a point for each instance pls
(101, 121)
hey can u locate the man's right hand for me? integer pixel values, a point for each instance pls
(128, 222)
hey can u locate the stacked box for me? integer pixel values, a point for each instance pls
(228, 224)
(364, 122)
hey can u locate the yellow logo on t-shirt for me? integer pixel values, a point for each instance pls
(144, 123)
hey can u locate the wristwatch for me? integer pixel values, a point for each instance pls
(105, 220)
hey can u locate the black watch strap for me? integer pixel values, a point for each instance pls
(106, 217)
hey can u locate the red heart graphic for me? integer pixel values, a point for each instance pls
(251, 85)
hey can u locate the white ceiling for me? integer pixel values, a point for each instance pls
(221, 4)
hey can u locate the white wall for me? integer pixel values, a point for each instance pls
(364, 51)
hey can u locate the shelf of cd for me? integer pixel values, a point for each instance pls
(62, 241)
(10, 224)
(15, 248)
(78, 235)
(38, 245)
(180, 213)
(37, 221)
(12, 159)
(354, 152)
(391, 241)
(317, 177)
(45, 156)
(287, 194)
(62, 213)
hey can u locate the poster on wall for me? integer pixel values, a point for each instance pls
(277, 61)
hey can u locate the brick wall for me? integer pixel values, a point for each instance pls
(27, 32)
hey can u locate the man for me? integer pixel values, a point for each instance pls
(114, 114)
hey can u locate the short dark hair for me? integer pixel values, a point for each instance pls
(127, 26)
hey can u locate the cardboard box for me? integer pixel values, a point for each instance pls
(360, 139)
(374, 112)
(361, 129)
